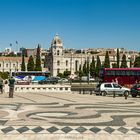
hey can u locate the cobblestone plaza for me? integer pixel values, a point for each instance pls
(68, 116)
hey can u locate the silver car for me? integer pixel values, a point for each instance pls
(111, 88)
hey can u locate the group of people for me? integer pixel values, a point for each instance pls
(10, 82)
(115, 80)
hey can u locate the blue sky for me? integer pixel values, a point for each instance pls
(79, 23)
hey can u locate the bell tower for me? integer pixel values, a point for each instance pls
(56, 46)
(57, 56)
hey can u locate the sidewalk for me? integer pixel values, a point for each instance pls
(68, 116)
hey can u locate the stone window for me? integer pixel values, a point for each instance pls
(66, 62)
(58, 63)
(14, 65)
(58, 52)
(6, 65)
(66, 88)
(76, 65)
(0, 65)
(58, 71)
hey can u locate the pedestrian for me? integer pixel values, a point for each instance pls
(116, 80)
(5, 86)
(11, 87)
(1, 85)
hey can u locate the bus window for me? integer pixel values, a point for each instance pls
(118, 73)
(110, 73)
(121, 72)
(29, 73)
(128, 73)
(138, 73)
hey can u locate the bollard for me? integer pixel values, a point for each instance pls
(83, 91)
(80, 91)
(113, 94)
(91, 92)
(125, 96)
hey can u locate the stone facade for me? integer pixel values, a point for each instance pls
(11, 64)
(59, 60)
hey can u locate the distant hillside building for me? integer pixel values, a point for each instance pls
(7, 51)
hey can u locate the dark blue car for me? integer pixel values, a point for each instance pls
(49, 80)
(135, 90)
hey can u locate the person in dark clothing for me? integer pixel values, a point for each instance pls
(11, 87)
(1, 85)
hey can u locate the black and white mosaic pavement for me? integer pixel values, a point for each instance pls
(62, 115)
(69, 129)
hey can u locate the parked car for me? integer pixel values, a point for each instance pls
(135, 90)
(111, 88)
(85, 79)
(63, 80)
(22, 82)
(49, 80)
(91, 79)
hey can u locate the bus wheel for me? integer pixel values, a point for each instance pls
(104, 93)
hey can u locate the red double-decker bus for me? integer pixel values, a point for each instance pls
(124, 76)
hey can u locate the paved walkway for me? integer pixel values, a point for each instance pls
(73, 116)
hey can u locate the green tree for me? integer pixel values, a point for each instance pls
(114, 65)
(88, 67)
(98, 66)
(85, 68)
(23, 67)
(38, 60)
(66, 73)
(118, 58)
(30, 65)
(137, 62)
(4, 75)
(60, 75)
(107, 61)
(124, 62)
(92, 67)
(80, 73)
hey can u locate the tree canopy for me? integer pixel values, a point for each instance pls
(118, 59)
(92, 67)
(107, 61)
(85, 68)
(137, 61)
(38, 60)
(124, 62)
(98, 65)
(23, 67)
(30, 65)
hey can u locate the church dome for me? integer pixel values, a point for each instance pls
(56, 41)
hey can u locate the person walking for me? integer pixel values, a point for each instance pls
(1, 85)
(11, 87)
